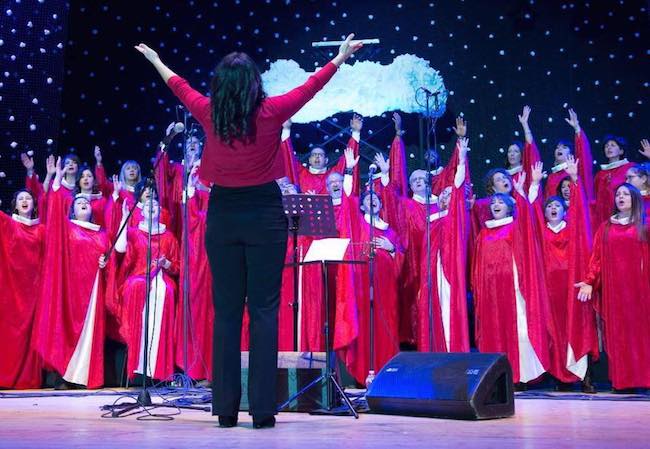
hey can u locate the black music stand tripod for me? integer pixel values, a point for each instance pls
(313, 215)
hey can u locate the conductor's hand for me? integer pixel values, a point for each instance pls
(347, 49)
(148, 52)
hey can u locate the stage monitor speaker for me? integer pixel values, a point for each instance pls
(455, 385)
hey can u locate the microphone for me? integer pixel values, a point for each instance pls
(429, 93)
(177, 129)
(372, 169)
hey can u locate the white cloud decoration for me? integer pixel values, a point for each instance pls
(365, 87)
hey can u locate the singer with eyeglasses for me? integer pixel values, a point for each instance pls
(246, 234)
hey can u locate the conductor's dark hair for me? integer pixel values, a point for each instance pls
(236, 92)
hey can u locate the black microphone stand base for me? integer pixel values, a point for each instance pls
(144, 403)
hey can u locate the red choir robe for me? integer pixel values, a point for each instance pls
(312, 179)
(510, 293)
(605, 183)
(449, 231)
(161, 297)
(409, 214)
(22, 244)
(98, 204)
(566, 255)
(412, 230)
(69, 329)
(646, 204)
(620, 269)
(341, 290)
(291, 164)
(582, 152)
(113, 213)
(398, 166)
(397, 181)
(169, 182)
(201, 319)
(33, 185)
(356, 355)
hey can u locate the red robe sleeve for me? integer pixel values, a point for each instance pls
(172, 253)
(113, 216)
(458, 225)
(346, 315)
(585, 167)
(392, 210)
(291, 164)
(105, 186)
(169, 181)
(532, 280)
(582, 332)
(340, 166)
(446, 177)
(33, 184)
(530, 157)
(398, 166)
(163, 176)
(46, 321)
(595, 263)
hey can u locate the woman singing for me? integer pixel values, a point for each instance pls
(246, 225)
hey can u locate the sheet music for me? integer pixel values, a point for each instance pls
(327, 249)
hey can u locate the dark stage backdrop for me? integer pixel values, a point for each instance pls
(33, 37)
(495, 56)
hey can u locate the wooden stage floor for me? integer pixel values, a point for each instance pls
(75, 422)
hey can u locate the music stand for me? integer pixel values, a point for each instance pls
(313, 215)
(309, 215)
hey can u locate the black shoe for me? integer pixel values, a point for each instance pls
(65, 385)
(563, 386)
(227, 421)
(624, 390)
(264, 421)
(520, 386)
(588, 387)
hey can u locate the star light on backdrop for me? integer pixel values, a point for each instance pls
(494, 56)
(32, 37)
(384, 88)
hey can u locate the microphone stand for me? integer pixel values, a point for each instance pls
(186, 245)
(295, 221)
(143, 400)
(430, 128)
(371, 279)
